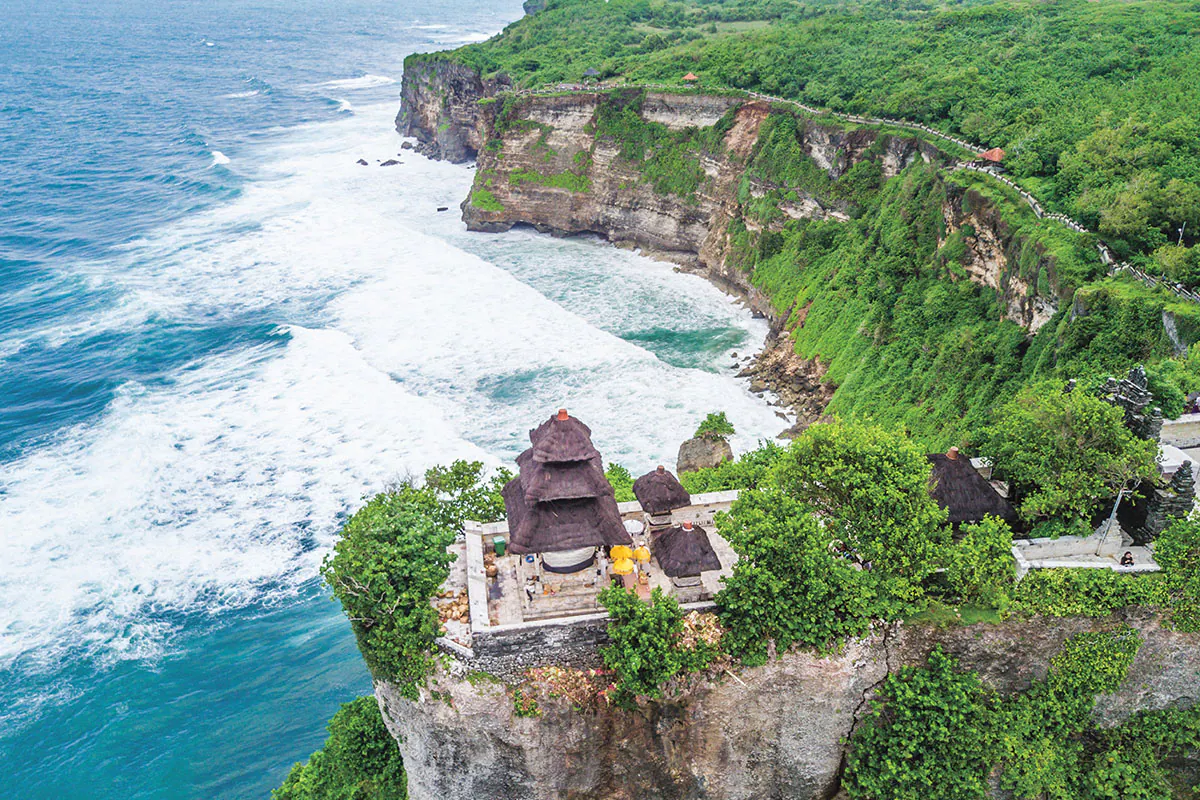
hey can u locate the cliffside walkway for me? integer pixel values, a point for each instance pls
(1106, 254)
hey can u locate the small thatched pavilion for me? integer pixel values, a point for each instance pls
(965, 494)
(683, 552)
(660, 492)
(560, 504)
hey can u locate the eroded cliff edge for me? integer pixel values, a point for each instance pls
(775, 731)
(692, 178)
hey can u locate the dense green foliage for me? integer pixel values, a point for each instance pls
(839, 529)
(788, 586)
(391, 558)
(1085, 592)
(621, 481)
(360, 761)
(979, 568)
(1099, 592)
(1094, 101)
(927, 739)
(936, 732)
(1062, 453)
(870, 486)
(715, 426)
(644, 647)
(750, 471)
(1177, 551)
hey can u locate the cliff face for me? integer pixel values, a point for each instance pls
(776, 731)
(440, 108)
(546, 167)
(994, 258)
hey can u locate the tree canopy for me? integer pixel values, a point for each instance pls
(870, 487)
(1064, 452)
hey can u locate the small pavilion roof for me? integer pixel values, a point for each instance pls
(965, 494)
(659, 491)
(691, 76)
(684, 553)
(995, 154)
(591, 72)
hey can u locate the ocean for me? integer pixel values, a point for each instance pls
(219, 333)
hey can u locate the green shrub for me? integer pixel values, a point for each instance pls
(1039, 732)
(870, 486)
(391, 558)
(389, 562)
(935, 732)
(788, 586)
(979, 567)
(645, 649)
(1064, 452)
(360, 761)
(928, 737)
(622, 482)
(1086, 592)
(715, 426)
(1177, 551)
(484, 200)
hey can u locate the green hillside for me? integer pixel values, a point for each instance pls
(1096, 103)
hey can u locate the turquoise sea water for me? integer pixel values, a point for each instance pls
(218, 333)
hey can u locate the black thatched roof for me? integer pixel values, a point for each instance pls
(561, 524)
(659, 491)
(964, 493)
(570, 481)
(683, 553)
(562, 438)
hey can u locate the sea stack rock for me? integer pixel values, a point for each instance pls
(697, 453)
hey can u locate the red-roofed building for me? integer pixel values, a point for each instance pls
(995, 155)
(691, 77)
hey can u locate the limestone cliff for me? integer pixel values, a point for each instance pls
(440, 107)
(545, 160)
(1021, 272)
(775, 731)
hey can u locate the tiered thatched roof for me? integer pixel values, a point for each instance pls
(569, 480)
(683, 552)
(963, 492)
(561, 499)
(659, 492)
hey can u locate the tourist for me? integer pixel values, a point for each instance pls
(1127, 559)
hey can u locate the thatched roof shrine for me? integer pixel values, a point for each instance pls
(659, 492)
(561, 500)
(965, 494)
(684, 551)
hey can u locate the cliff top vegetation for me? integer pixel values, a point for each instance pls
(1094, 102)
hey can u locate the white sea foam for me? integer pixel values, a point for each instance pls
(223, 484)
(242, 95)
(219, 158)
(364, 82)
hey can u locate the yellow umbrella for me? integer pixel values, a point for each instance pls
(619, 552)
(642, 554)
(623, 566)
